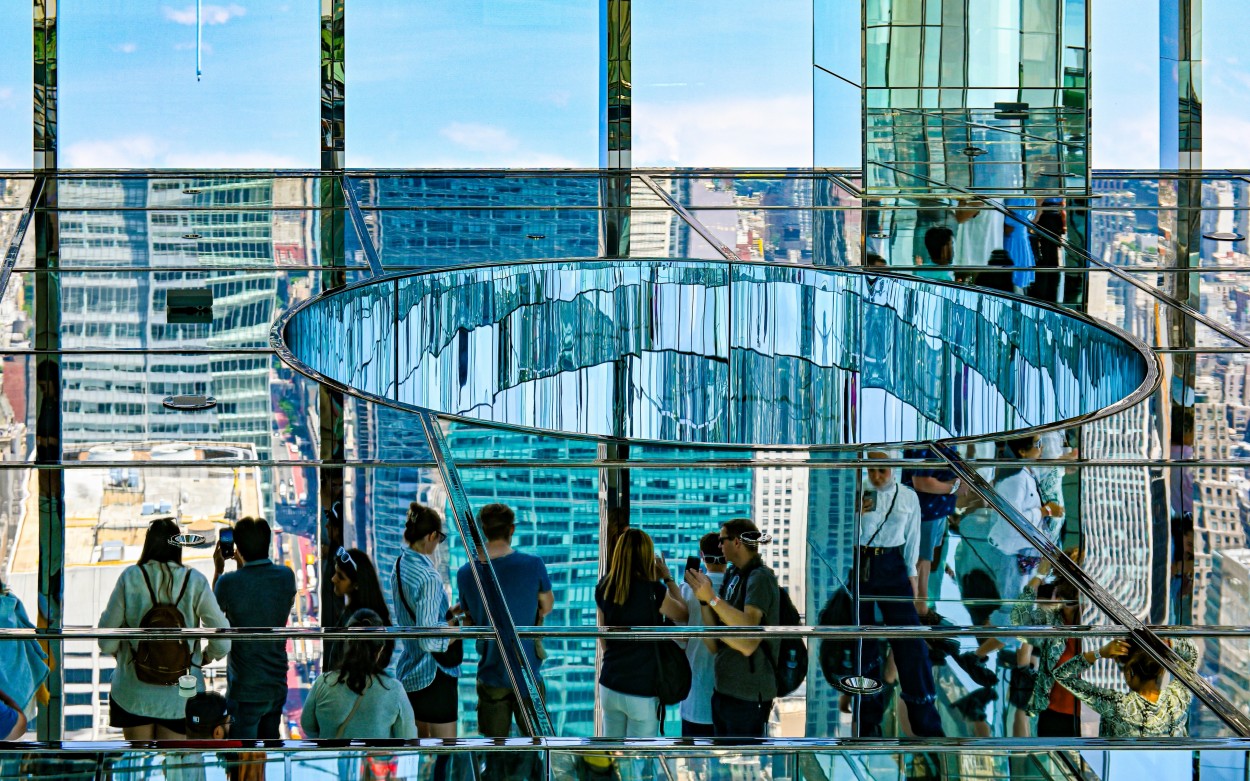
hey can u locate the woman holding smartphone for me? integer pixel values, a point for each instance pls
(638, 590)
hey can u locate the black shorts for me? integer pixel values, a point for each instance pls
(438, 703)
(121, 718)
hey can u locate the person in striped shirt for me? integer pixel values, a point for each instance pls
(420, 597)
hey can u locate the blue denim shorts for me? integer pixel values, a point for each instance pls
(931, 533)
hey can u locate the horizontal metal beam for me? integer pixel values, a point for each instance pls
(671, 747)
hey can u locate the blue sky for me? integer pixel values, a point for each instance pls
(514, 83)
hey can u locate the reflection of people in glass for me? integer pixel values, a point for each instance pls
(1147, 709)
(696, 710)
(889, 546)
(146, 710)
(1052, 220)
(980, 232)
(937, 490)
(745, 686)
(1057, 710)
(939, 243)
(355, 580)
(1009, 559)
(1017, 241)
(998, 280)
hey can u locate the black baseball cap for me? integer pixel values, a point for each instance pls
(207, 710)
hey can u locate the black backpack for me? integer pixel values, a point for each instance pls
(790, 664)
(162, 662)
(673, 677)
(838, 656)
(790, 667)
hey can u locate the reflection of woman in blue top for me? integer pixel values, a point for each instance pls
(1016, 238)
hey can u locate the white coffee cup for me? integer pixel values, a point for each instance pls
(187, 685)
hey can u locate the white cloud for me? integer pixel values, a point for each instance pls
(1224, 135)
(130, 152)
(227, 159)
(1125, 140)
(142, 151)
(209, 14)
(734, 131)
(560, 98)
(11, 161)
(126, 48)
(477, 137)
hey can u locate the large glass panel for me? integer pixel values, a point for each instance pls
(722, 84)
(403, 57)
(138, 88)
(16, 78)
(1125, 126)
(1223, 80)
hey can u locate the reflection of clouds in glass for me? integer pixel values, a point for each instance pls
(480, 145)
(478, 137)
(143, 151)
(209, 14)
(731, 131)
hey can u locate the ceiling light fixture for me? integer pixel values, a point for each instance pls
(189, 402)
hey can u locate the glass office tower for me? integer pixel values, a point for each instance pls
(627, 264)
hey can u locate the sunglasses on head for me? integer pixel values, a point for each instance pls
(345, 558)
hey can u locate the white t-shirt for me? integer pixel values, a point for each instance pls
(697, 707)
(976, 238)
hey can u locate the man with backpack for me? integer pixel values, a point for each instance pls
(745, 668)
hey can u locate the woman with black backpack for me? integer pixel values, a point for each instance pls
(158, 592)
(638, 590)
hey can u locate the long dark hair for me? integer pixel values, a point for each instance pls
(633, 560)
(363, 658)
(368, 592)
(156, 545)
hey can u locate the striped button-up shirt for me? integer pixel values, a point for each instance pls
(421, 602)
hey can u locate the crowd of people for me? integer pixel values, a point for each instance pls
(907, 519)
(1017, 236)
(1003, 580)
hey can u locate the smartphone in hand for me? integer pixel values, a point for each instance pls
(693, 563)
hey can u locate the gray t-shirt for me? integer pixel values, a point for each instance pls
(750, 677)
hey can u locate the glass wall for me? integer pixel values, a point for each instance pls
(481, 84)
(155, 86)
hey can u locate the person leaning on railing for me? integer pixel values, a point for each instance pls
(1147, 709)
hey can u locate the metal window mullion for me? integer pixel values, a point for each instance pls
(533, 708)
(19, 234)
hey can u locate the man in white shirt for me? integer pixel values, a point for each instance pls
(889, 545)
(696, 709)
